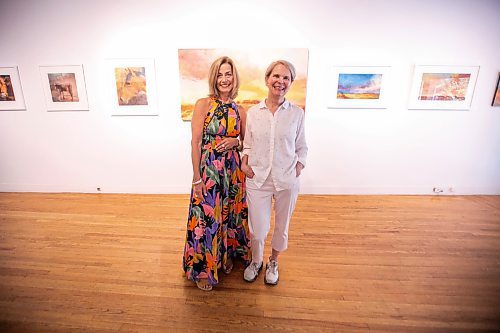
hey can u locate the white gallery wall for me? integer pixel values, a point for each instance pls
(351, 151)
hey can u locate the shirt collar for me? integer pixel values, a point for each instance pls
(286, 104)
(262, 104)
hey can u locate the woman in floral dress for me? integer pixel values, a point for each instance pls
(217, 228)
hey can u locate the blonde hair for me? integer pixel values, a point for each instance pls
(285, 63)
(212, 78)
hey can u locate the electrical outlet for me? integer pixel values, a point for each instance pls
(437, 190)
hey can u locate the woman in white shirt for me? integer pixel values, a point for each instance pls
(274, 154)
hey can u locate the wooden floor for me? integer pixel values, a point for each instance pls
(112, 263)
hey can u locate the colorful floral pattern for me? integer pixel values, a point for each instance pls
(217, 227)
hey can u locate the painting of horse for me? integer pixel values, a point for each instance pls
(131, 85)
(63, 87)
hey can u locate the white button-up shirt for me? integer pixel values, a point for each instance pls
(275, 143)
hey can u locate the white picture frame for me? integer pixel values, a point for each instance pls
(442, 87)
(11, 92)
(132, 85)
(359, 87)
(64, 88)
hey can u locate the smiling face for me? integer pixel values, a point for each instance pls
(279, 81)
(225, 79)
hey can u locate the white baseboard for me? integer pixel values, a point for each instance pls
(428, 190)
(72, 188)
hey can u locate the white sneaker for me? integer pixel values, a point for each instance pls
(252, 271)
(272, 275)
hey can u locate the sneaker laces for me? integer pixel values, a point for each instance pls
(273, 266)
(255, 267)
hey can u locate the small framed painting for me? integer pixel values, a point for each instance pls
(443, 87)
(133, 85)
(496, 97)
(64, 88)
(11, 93)
(359, 87)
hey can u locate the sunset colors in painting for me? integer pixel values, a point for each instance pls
(359, 86)
(444, 86)
(194, 65)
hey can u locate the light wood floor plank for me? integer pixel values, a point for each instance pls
(112, 263)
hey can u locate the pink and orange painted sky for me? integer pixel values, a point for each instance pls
(194, 65)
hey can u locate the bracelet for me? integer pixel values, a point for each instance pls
(197, 182)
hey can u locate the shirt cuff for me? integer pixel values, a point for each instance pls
(301, 161)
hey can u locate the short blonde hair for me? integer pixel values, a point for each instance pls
(212, 78)
(285, 63)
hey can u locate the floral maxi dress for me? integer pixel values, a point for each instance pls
(217, 226)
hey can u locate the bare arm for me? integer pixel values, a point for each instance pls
(197, 122)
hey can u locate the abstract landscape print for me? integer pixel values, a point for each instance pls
(359, 86)
(444, 86)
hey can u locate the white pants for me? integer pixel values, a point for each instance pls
(259, 215)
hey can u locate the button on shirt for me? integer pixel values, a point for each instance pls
(275, 143)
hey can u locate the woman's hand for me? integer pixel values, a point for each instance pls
(247, 170)
(226, 144)
(200, 190)
(298, 169)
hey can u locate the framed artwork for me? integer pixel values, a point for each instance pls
(359, 87)
(133, 85)
(194, 65)
(443, 87)
(496, 97)
(11, 93)
(64, 88)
